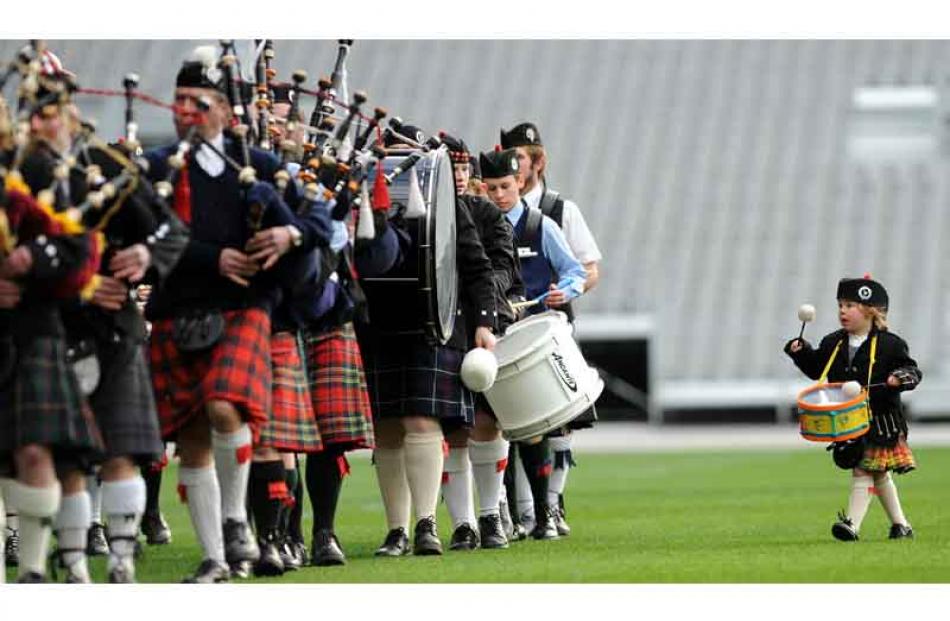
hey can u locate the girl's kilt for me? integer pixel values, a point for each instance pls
(124, 404)
(236, 370)
(409, 377)
(338, 388)
(42, 404)
(292, 425)
(898, 458)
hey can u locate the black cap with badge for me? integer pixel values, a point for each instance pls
(498, 164)
(521, 135)
(200, 70)
(864, 291)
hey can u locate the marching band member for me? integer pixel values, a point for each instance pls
(417, 396)
(210, 342)
(551, 275)
(481, 453)
(532, 161)
(866, 351)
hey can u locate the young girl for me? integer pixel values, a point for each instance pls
(864, 350)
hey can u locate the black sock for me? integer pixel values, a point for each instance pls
(153, 488)
(324, 481)
(536, 459)
(510, 491)
(295, 513)
(267, 493)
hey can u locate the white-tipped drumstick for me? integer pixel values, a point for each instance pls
(806, 313)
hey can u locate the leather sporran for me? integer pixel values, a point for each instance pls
(848, 454)
(198, 331)
(83, 358)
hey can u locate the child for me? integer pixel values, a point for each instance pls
(865, 351)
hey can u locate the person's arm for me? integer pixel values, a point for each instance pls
(593, 275)
(906, 374)
(812, 361)
(475, 270)
(582, 243)
(571, 275)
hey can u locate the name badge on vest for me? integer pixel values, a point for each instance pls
(525, 252)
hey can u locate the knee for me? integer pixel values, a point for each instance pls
(265, 453)
(117, 469)
(389, 433)
(860, 473)
(223, 416)
(458, 438)
(421, 424)
(486, 428)
(33, 458)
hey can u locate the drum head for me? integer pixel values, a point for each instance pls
(443, 235)
(828, 395)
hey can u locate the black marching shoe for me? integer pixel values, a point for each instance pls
(31, 577)
(327, 551)
(492, 532)
(209, 572)
(239, 544)
(426, 539)
(155, 529)
(843, 529)
(271, 562)
(464, 538)
(395, 544)
(545, 527)
(518, 532)
(901, 531)
(240, 569)
(11, 550)
(96, 544)
(560, 523)
(288, 554)
(300, 551)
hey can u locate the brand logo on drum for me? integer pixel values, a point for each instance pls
(562, 371)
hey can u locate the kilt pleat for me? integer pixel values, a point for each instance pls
(898, 458)
(338, 388)
(292, 424)
(237, 370)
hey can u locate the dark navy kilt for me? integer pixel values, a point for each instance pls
(42, 404)
(124, 403)
(407, 377)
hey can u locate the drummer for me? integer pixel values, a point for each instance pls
(552, 277)
(417, 394)
(481, 452)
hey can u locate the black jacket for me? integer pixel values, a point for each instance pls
(887, 416)
(496, 235)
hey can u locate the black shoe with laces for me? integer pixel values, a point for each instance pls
(901, 531)
(464, 538)
(96, 544)
(270, 562)
(239, 544)
(518, 532)
(492, 532)
(31, 577)
(327, 551)
(209, 571)
(563, 529)
(426, 539)
(240, 569)
(545, 527)
(155, 529)
(396, 543)
(288, 554)
(843, 529)
(11, 550)
(300, 550)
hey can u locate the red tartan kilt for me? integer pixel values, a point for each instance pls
(292, 425)
(338, 388)
(236, 370)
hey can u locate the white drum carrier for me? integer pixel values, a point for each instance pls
(543, 380)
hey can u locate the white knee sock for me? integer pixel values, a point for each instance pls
(887, 493)
(457, 487)
(72, 529)
(95, 497)
(424, 461)
(488, 465)
(36, 507)
(561, 449)
(203, 496)
(523, 491)
(393, 486)
(232, 463)
(124, 503)
(860, 499)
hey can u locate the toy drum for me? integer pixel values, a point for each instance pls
(543, 381)
(826, 415)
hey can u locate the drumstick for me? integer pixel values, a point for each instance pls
(806, 313)
(516, 306)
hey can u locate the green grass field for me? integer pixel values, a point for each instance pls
(689, 517)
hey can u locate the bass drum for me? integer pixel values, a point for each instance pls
(420, 296)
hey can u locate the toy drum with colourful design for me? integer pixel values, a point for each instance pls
(825, 414)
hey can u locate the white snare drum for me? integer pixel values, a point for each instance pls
(543, 380)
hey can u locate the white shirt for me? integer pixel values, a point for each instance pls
(575, 228)
(211, 162)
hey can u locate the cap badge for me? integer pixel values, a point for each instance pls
(529, 134)
(864, 293)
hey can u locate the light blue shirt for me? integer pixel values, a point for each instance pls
(340, 236)
(571, 274)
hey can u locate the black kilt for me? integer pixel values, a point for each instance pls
(407, 377)
(124, 403)
(42, 404)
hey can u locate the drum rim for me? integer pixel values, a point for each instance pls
(829, 407)
(441, 333)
